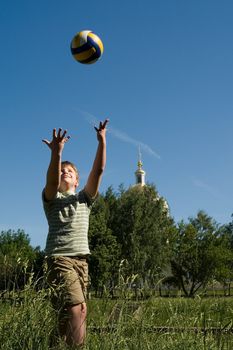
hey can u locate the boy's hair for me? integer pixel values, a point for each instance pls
(66, 162)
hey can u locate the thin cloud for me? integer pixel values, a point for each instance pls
(122, 135)
(202, 185)
(126, 138)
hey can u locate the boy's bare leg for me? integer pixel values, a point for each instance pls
(76, 327)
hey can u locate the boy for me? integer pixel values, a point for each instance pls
(66, 249)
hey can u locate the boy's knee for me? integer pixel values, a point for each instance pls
(79, 309)
(84, 308)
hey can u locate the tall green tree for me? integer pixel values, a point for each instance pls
(17, 257)
(142, 226)
(225, 272)
(111, 203)
(200, 253)
(104, 248)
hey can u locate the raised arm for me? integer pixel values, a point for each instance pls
(95, 176)
(54, 170)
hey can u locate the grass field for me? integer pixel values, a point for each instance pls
(27, 321)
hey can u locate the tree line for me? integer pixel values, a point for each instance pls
(135, 244)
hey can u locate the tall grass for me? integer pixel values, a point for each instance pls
(28, 322)
(162, 324)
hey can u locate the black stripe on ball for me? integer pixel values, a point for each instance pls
(91, 59)
(80, 49)
(96, 46)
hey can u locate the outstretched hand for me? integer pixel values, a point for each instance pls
(101, 130)
(58, 141)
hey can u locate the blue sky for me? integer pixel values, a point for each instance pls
(165, 81)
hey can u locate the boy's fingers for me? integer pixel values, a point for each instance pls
(66, 138)
(102, 125)
(105, 123)
(54, 133)
(63, 135)
(59, 132)
(46, 141)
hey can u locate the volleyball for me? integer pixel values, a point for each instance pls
(86, 47)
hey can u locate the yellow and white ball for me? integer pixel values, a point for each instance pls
(86, 47)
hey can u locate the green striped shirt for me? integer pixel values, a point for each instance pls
(68, 219)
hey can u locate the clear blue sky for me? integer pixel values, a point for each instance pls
(165, 81)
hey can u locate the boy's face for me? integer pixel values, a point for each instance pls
(69, 179)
